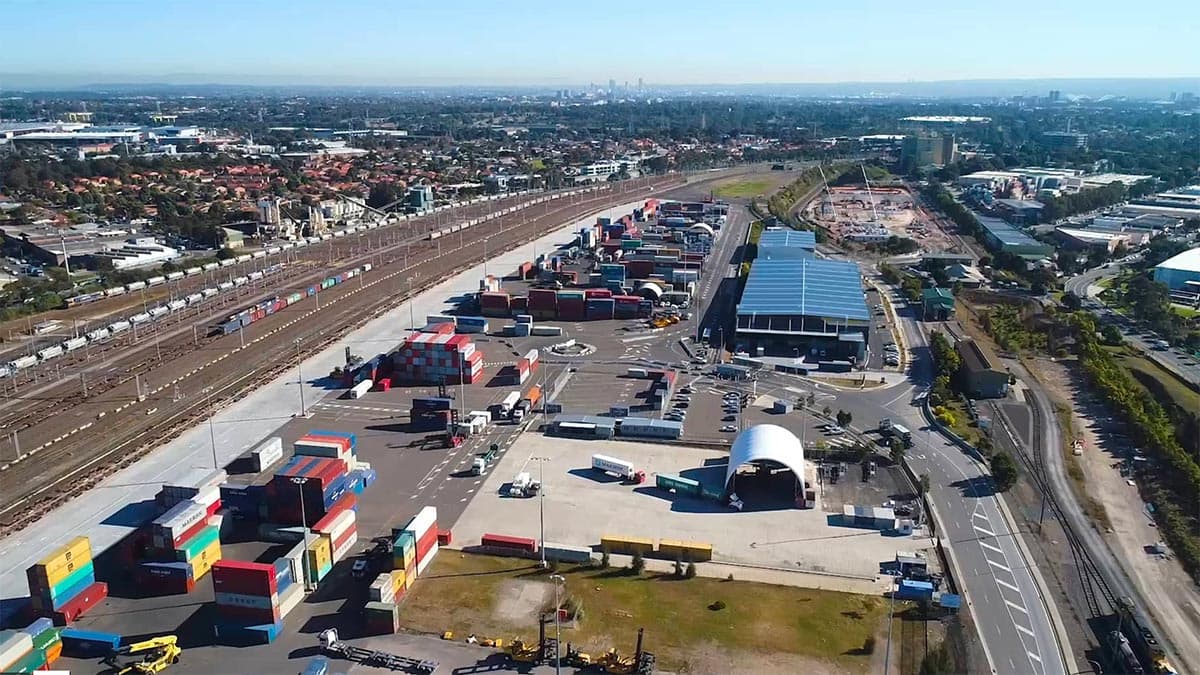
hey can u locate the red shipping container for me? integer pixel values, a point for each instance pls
(252, 615)
(80, 604)
(214, 507)
(341, 442)
(188, 533)
(597, 293)
(244, 578)
(426, 542)
(519, 304)
(443, 537)
(506, 541)
(383, 384)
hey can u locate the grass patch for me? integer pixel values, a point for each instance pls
(963, 426)
(1160, 382)
(744, 189)
(1185, 312)
(466, 594)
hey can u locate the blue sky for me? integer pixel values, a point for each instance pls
(570, 43)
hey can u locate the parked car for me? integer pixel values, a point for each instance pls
(728, 428)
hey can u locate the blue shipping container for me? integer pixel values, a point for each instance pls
(344, 434)
(78, 643)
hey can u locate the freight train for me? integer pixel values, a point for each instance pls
(101, 335)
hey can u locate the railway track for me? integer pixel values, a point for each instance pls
(71, 463)
(187, 331)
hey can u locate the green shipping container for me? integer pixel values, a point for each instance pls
(712, 493)
(631, 244)
(681, 485)
(192, 547)
(32, 661)
(46, 639)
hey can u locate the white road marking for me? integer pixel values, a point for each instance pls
(1023, 629)
(1033, 656)
(984, 530)
(993, 563)
(1017, 607)
(990, 547)
(1007, 585)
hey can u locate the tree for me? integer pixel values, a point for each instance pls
(605, 560)
(1071, 301)
(844, 418)
(896, 450)
(923, 483)
(382, 194)
(225, 253)
(1004, 471)
(638, 564)
(826, 411)
(1111, 334)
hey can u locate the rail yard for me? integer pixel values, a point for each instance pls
(149, 389)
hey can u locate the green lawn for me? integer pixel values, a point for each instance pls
(1180, 395)
(1185, 312)
(744, 189)
(460, 592)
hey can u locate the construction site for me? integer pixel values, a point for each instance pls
(869, 214)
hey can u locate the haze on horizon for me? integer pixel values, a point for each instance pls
(373, 42)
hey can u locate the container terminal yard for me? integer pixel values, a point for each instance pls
(402, 465)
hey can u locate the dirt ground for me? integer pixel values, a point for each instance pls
(849, 207)
(1168, 590)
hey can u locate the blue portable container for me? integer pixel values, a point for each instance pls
(78, 643)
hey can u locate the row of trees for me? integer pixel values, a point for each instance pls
(1081, 202)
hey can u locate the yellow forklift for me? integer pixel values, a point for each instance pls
(148, 656)
(543, 651)
(641, 663)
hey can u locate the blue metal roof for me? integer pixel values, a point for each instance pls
(805, 287)
(781, 237)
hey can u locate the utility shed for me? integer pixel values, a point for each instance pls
(983, 374)
(937, 304)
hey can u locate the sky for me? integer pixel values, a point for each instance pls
(561, 43)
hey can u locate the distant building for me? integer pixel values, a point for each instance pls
(981, 370)
(137, 252)
(930, 149)
(937, 304)
(419, 199)
(776, 244)
(1025, 212)
(234, 238)
(1000, 236)
(1064, 139)
(1091, 240)
(268, 211)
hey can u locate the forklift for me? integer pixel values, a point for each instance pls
(545, 651)
(641, 663)
(157, 654)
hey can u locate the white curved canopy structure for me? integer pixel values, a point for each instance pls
(650, 291)
(766, 442)
(702, 228)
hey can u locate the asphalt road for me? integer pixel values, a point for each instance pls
(1185, 367)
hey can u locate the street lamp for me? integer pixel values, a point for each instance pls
(212, 434)
(559, 582)
(541, 507)
(300, 481)
(300, 379)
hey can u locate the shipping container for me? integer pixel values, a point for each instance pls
(686, 551)
(245, 578)
(503, 541)
(13, 646)
(79, 643)
(266, 453)
(80, 604)
(61, 562)
(242, 634)
(626, 545)
(568, 554)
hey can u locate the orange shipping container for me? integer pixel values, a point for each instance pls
(534, 395)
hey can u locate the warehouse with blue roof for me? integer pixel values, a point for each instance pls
(803, 303)
(779, 243)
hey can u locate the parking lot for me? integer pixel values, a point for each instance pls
(582, 504)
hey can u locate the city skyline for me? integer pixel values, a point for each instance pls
(677, 43)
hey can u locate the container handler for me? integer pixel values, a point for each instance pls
(148, 656)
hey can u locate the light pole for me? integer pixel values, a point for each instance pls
(300, 378)
(559, 582)
(300, 481)
(541, 507)
(212, 434)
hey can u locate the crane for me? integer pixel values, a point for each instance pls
(156, 654)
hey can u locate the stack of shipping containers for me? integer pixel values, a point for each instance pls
(430, 413)
(526, 365)
(63, 584)
(600, 304)
(253, 598)
(571, 305)
(494, 303)
(543, 304)
(33, 648)
(185, 543)
(422, 530)
(439, 357)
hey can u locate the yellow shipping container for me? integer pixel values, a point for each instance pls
(410, 576)
(64, 560)
(398, 580)
(626, 545)
(202, 563)
(687, 551)
(320, 555)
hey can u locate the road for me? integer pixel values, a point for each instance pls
(1086, 287)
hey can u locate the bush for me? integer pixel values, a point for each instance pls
(691, 571)
(678, 568)
(605, 561)
(717, 606)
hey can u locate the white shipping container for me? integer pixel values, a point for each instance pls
(209, 292)
(532, 356)
(135, 286)
(210, 266)
(290, 599)
(345, 548)
(243, 258)
(345, 520)
(361, 388)
(156, 312)
(250, 601)
(424, 562)
(482, 414)
(179, 518)
(546, 331)
(15, 646)
(194, 299)
(176, 305)
(267, 453)
(208, 496)
(420, 523)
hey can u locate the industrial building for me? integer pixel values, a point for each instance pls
(771, 450)
(1065, 139)
(795, 303)
(1000, 236)
(937, 304)
(982, 373)
(583, 426)
(1092, 240)
(1019, 211)
(780, 243)
(1180, 273)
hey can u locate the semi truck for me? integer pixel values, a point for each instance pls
(887, 429)
(509, 402)
(626, 470)
(525, 405)
(524, 485)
